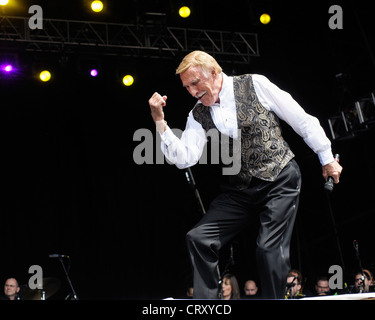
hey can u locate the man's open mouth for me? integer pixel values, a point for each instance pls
(201, 95)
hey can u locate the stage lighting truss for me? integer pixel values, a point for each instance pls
(153, 41)
(357, 118)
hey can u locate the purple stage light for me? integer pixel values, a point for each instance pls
(94, 72)
(7, 68)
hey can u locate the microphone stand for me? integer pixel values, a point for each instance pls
(230, 261)
(335, 231)
(328, 187)
(191, 181)
(355, 244)
(75, 297)
(226, 269)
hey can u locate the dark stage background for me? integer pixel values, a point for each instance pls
(69, 183)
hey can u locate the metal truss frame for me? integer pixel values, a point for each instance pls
(153, 41)
(357, 118)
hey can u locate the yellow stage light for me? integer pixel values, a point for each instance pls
(265, 18)
(45, 76)
(184, 12)
(97, 6)
(128, 80)
(4, 2)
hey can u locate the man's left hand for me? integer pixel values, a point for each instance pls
(332, 169)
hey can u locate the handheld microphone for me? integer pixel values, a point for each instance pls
(55, 255)
(328, 186)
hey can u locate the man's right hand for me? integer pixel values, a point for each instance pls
(157, 103)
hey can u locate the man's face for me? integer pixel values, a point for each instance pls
(322, 287)
(206, 89)
(10, 287)
(250, 289)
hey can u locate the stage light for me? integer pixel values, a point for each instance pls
(96, 6)
(8, 71)
(128, 80)
(45, 76)
(94, 72)
(4, 2)
(7, 68)
(184, 12)
(265, 18)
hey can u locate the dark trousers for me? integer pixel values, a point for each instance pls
(276, 204)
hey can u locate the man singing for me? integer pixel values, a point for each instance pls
(246, 108)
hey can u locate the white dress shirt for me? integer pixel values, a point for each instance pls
(187, 150)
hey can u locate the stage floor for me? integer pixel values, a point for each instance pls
(353, 296)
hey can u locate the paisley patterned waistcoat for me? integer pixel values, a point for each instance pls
(264, 152)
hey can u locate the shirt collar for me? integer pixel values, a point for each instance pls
(226, 91)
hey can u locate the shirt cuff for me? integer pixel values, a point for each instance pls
(326, 157)
(167, 136)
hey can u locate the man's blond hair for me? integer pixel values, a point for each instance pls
(201, 59)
